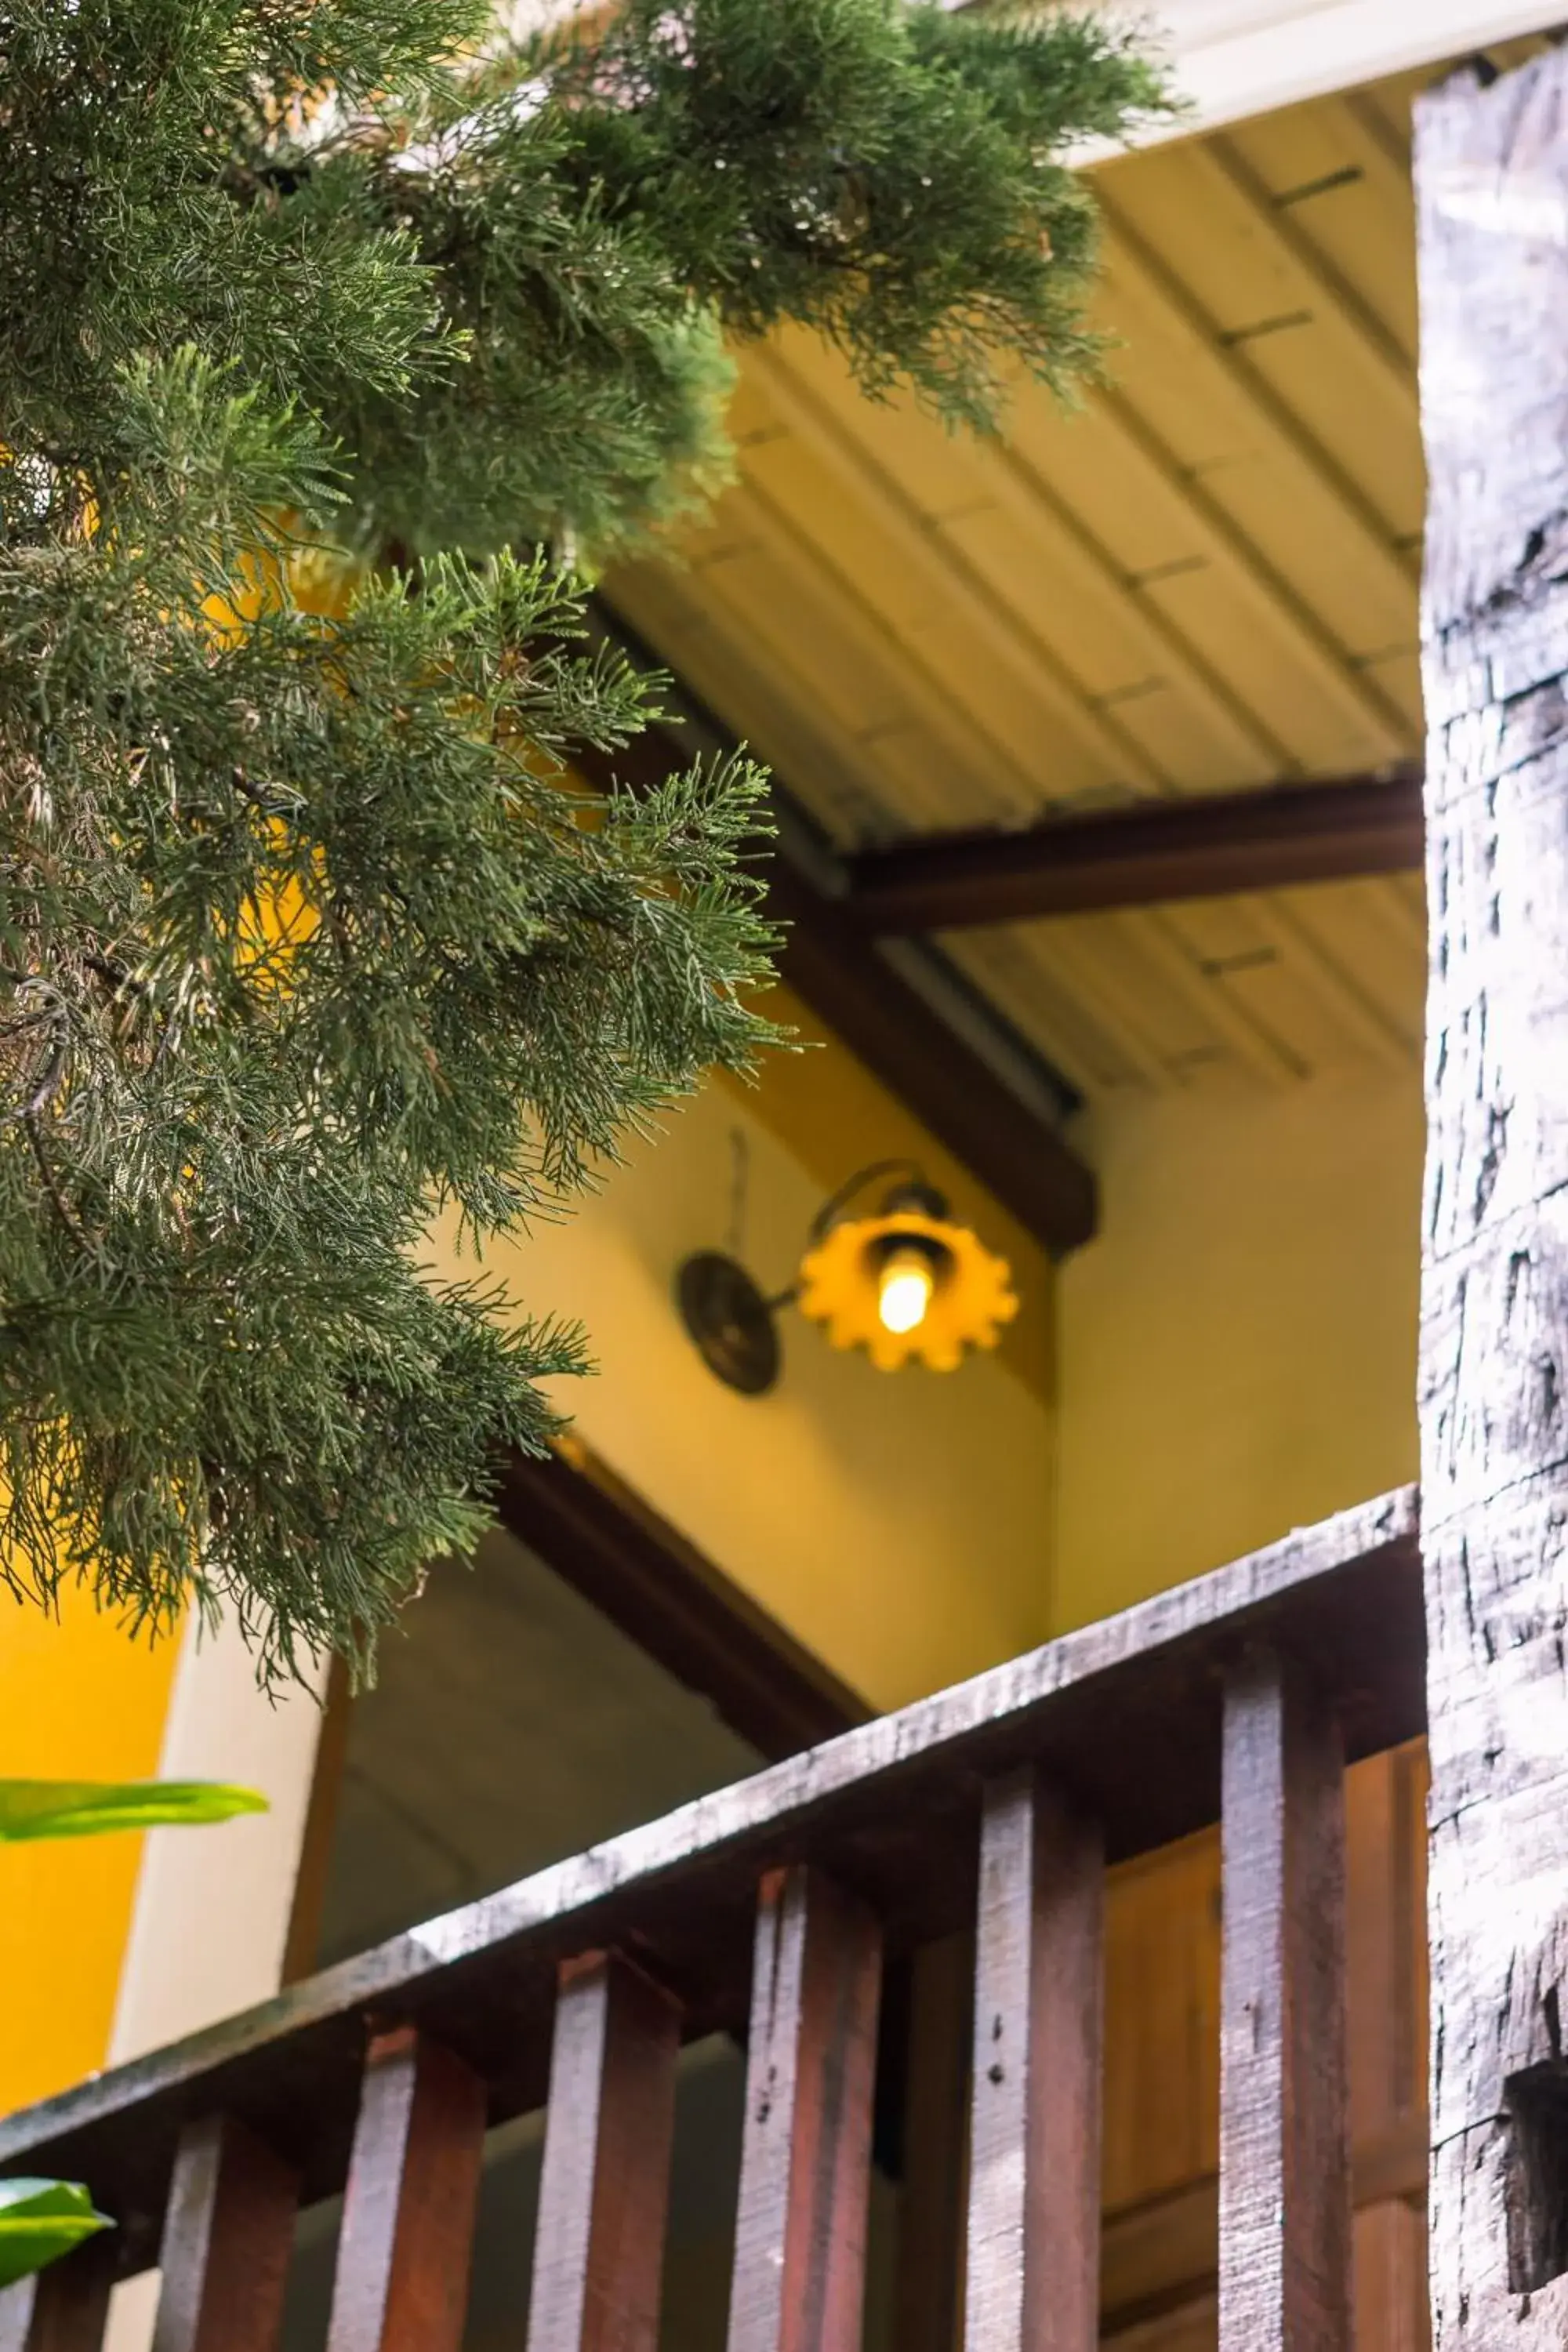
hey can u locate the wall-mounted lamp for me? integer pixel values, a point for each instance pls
(908, 1284)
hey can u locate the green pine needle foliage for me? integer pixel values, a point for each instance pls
(305, 932)
(888, 174)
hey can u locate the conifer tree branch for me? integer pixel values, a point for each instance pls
(313, 313)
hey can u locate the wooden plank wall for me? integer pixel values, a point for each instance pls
(1162, 2087)
(1161, 2096)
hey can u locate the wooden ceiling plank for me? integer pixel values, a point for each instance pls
(1298, 945)
(963, 729)
(1386, 137)
(1023, 489)
(1368, 927)
(892, 793)
(696, 638)
(986, 723)
(1374, 1026)
(1376, 340)
(769, 589)
(1223, 541)
(1237, 1039)
(1132, 255)
(1291, 980)
(950, 568)
(1380, 149)
(1402, 902)
(1308, 965)
(1350, 197)
(1058, 1021)
(1232, 946)
(1257, 1048)
(783, 582)
(1206, 845)
(818, 644)
(1002, 474)
(1176, 1019)
(1095, 978)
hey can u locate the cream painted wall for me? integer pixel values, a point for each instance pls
(1237, 1353)
(213, 1906)
(898, 1523)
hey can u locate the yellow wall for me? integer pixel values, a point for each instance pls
(897, 1524)
(78, 1700)
(1237, 1353)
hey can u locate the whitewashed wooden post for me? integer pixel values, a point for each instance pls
(1492, 190)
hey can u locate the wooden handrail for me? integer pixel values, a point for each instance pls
(778, 1897)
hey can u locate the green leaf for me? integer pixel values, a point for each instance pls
(56, 1808)
(40, 2220)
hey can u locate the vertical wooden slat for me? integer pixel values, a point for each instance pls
(1034, 2188)
(1413, 1965)
(603, 2198)
(800, 2234)
(62, 2309)
(928, 2285)
(1390, 2313)
(1284, 2199)
(228, 2232)
(1374, 1958)
(401, 2278)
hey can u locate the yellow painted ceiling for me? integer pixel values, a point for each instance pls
(1207, 580)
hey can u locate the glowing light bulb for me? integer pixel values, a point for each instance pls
(904, 1291)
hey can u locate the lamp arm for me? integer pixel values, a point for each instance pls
(853, 1185)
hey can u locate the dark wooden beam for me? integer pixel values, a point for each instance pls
(1010, 1146)
(656, 1587)
(303, 1940)
(1014, 1153)
(1209, 845)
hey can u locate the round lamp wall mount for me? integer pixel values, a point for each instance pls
(731, 1321)
(910, 1285)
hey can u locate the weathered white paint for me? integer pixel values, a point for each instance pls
(1236, 57)
(1493, 278)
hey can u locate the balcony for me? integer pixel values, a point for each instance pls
(770, 1912)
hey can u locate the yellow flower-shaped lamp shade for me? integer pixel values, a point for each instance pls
(909, 1288)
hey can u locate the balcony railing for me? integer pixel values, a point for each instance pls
(770, 1910)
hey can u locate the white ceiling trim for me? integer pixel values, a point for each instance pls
(1238, 57)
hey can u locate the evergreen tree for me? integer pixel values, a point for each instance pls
(316, 316)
